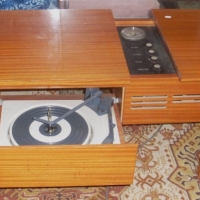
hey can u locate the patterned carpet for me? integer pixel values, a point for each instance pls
(166, 167)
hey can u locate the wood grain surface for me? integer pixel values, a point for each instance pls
(73, 165)
(67, 165)
(161, 99)
(181, 32)
(165, 98)
(59, 49)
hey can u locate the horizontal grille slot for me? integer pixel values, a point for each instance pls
(150, 97)
(186, 98)
(147, 107)
(148, 102)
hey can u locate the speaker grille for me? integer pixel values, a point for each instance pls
(186, 98)
(149, 102)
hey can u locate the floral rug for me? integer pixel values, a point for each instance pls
(166, 168)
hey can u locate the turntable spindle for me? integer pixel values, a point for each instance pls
(49, 128)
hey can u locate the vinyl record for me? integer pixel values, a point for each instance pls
(73, 129)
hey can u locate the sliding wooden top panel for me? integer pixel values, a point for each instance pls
(60, 48)
(181, 32)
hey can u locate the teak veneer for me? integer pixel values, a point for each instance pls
(80, 49)
(59, 49)
(63, 49)
(175, 98)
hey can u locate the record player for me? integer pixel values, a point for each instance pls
(62, 142)
(86, 49)
(83, 126)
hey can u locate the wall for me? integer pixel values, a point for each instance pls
(120, 8)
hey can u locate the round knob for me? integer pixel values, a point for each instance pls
(157, 67)
(151, 51)
(149, 45)
(154, 59)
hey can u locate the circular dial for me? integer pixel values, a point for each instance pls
(133, 33)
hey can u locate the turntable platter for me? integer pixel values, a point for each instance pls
(83, 127)
(73, 129)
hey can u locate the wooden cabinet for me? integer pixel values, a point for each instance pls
(63, 49)
(167, 98)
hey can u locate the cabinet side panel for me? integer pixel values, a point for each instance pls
(161, 100)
